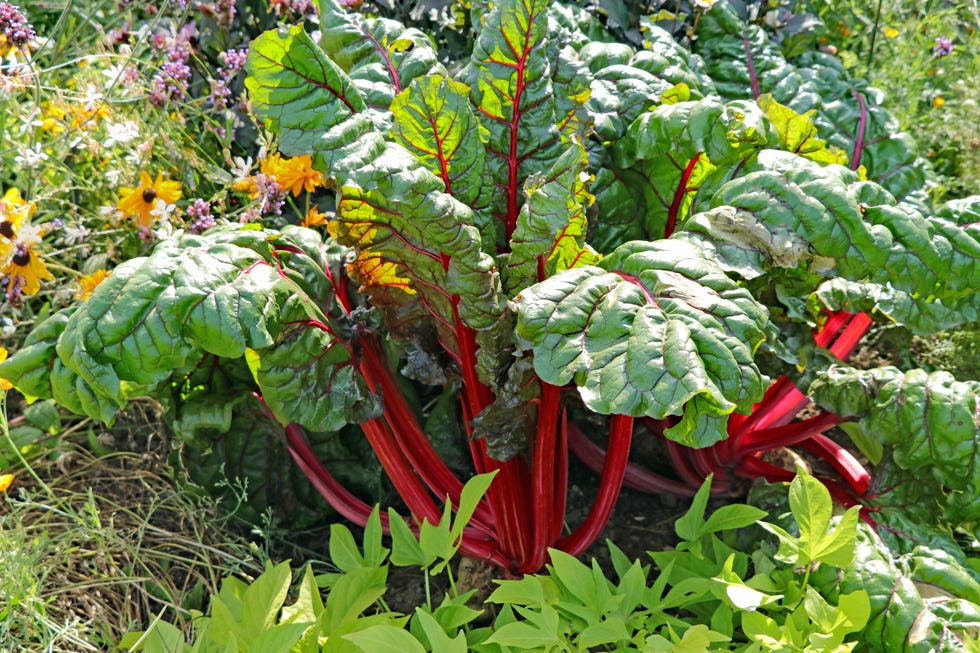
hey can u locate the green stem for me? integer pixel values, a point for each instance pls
(874, 34)
(13, 446)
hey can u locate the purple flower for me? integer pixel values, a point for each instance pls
(219, 93)
(14, 25)
(234, 60)
(272, 196)
(13, 288)
(202, 220)
(943, 47)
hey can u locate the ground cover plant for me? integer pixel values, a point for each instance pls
(528, 241)
(815, 592)
(725, 232)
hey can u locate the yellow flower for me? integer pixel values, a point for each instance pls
(4, 383)
(87, 117)
(246, 185)
(90, 282)
(14, 208)
(296, 174)
(25, 270)
(13, 211)
(293, 174)
(314, 218)
(891, 32)
(139, 201)
(53, 117)
(938, 101)
(6, 480)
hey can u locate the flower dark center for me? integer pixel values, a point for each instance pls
(22, 258)
(7, 229)
(149, 195)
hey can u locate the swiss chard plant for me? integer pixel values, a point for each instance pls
(556, 226)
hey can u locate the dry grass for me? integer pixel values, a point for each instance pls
(91, 547)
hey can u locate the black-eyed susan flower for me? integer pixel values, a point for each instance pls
(13, 211)
(141, 200)
(90, 282)
(24, 270)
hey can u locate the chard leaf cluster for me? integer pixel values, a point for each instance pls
(553, 223)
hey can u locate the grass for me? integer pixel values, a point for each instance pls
(92, 546)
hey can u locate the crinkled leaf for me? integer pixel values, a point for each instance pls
(931, 422)
(902, 618)
(505, 424)
(510, 77)
(851, 117)
(744, 63)
(620, 91)
(381, 56)
(29, 369)
(309, 377)
(571, 82)
(655, 329)
(798, 133)
(304, 97)
(788, 212)
(411, 238)
(550, 233)
(433, 119)
(663, 56)
(920, 314)
(676, 146)
(158, 313)
(964, 211)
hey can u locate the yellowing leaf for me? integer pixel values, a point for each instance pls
(372, 270)
(679, 93)
(799, 134)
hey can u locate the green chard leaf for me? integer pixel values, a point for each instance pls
(663, 56)
(620, 90)
(964, 211)
(510, 75)
(929, 421)
(852, 118)
(672, 150)
(550, 233)
(414, 242)
(158, 317)
(788, 213)
(654, 329)
(381, 56)
(745, 63)
(156, 314)
(920, 315)
(303, 96)
(798, 133)
(433, 119)
(902, 617)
